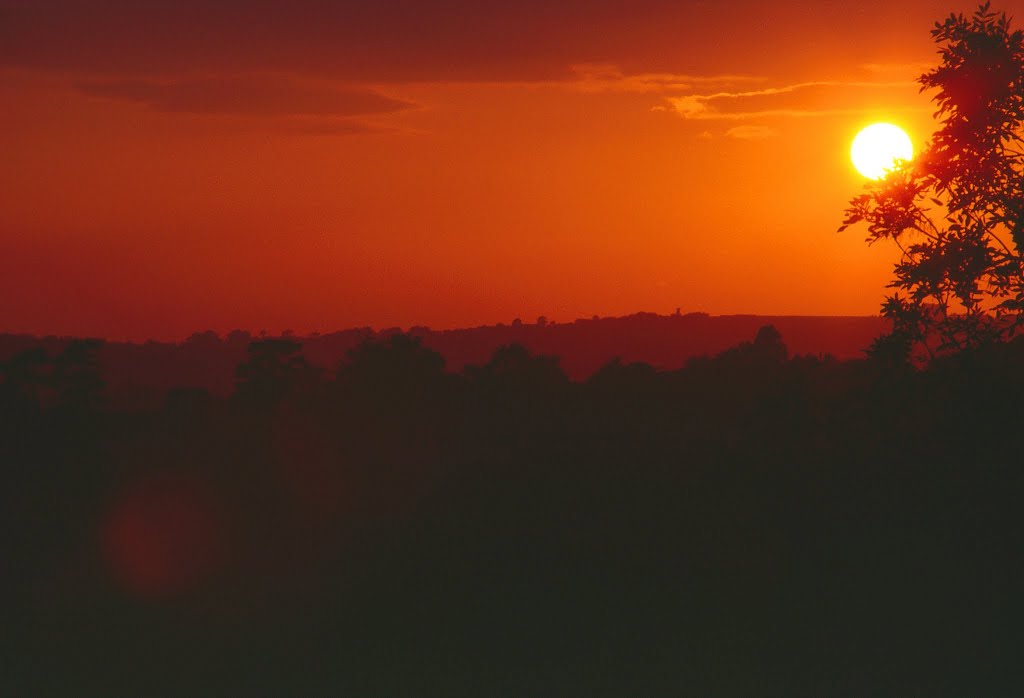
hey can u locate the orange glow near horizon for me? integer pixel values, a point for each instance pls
(689, 161)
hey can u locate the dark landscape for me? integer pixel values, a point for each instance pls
(753, 522)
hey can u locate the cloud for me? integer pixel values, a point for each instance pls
(252, 95)
(395, 41)
(909, 71)
(380, 41)
(750, 132)
(605, 77)
(803, 99)
(702, 106)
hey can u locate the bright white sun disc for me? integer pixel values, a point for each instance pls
(878, 147)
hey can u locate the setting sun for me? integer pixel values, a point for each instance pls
(878, 147)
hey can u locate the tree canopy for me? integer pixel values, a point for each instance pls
(957, 210)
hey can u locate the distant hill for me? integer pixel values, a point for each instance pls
(664, 341)
(142, 373)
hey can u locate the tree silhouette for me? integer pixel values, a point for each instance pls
(957, 211)
(766, 351)
(78, 375)
(274, 371)
(385, 369)
(26, 380)
(513, 367)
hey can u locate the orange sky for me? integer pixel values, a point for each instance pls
(170, 167)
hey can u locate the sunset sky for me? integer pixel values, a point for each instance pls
(171, 166)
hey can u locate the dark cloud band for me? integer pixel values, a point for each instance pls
(379, 41)
(252, 95)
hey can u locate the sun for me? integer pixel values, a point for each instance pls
(878, 147)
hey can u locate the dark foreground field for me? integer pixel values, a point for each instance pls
(751, 524)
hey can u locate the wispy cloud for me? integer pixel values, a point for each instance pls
(909, 71)
(770, 101)
(604, 77)
(750, 133)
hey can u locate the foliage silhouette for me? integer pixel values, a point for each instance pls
(77, 374)
(398, 365)
(395, 529)
(72, 380)
(275, 370)
(513, 366)
(27, 378)
(766, 350)
(956, 210)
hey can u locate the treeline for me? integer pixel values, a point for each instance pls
(752, 523)
(139, 375)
